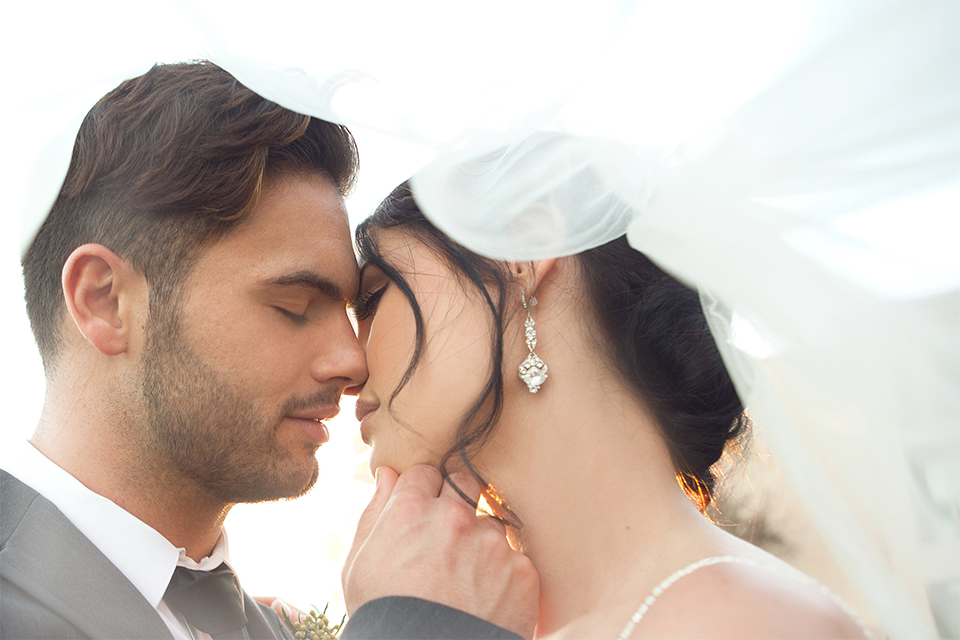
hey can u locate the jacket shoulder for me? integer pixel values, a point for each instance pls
(15, 501)
(56, 582)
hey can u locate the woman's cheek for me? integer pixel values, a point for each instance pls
(390, 345)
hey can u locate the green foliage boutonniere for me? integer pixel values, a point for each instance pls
(314, 626)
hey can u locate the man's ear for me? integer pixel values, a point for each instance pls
(103, 294)
(531, 274)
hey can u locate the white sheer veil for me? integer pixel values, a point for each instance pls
(797, 162)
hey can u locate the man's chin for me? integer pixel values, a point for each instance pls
(307, 486)
(286, 486)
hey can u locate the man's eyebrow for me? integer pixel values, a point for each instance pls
(308, 280)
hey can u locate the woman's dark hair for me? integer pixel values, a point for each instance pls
(652, 329)
(655, 332)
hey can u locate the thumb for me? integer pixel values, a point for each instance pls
(386, 479)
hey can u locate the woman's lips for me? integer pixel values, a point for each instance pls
(365, 408)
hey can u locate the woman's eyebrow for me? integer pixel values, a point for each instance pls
(308, 280)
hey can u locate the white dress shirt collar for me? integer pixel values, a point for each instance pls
(144, 556)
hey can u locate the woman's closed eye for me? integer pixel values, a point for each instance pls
(366, 303)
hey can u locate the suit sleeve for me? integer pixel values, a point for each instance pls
(402, 618)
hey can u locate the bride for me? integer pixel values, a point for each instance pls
(597, 452)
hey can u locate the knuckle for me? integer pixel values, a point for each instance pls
(421, 478)
(424, 473)
(494, 539)
(522, 572)
(527, 573)
(409, 507)
(459, 518)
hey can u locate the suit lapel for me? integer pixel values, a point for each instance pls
(47, 557)
(263, 623)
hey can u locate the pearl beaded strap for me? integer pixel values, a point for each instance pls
(706, 562)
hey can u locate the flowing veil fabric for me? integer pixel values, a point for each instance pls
(798, 162)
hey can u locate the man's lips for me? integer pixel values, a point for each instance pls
(310, 423)
(317, 415)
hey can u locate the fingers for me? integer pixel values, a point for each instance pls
(386, 479)
(429, 481)
(425, 541)
(421, 478)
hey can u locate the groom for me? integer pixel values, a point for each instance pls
(187, 293)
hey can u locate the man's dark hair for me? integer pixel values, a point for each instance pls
(163, 166)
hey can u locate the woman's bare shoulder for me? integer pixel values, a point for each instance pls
(737, 600)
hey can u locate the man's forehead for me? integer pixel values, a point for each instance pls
(298, 232)
(305, 209)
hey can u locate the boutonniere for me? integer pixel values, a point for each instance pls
(314, 625)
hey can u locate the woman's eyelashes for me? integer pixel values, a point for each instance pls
(366, 303)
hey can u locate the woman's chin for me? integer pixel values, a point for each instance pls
(400, 465)
(378, 460)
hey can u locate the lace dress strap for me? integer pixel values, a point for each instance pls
(706, 562)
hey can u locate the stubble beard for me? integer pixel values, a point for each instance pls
(207, 430)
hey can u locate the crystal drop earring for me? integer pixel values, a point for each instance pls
(533, 371)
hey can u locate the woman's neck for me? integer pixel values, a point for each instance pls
(604, 519)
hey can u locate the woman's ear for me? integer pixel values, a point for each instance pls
(102, 292)
(530, 274)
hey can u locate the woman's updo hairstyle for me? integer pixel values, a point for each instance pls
(653, 331)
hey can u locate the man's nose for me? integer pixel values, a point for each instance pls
(343, 358)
